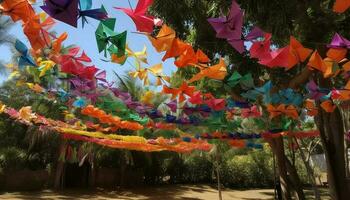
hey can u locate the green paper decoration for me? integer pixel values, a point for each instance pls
(245, 81)
(108, 40)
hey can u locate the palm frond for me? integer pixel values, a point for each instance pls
(130, 85)
(5, 25)
(3, 70)
(121, 84)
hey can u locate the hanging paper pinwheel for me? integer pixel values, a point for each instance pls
(336, 55)
(73, 64)
(339, 41)
(342, 94)
(172, 106)
(286, 57)
(315, 92)
(140, 56)
(17, 9)
(156, 70)
(101, 76)
(80, 86)
(196, 98)
(164, 39)
(213, 103)
(63, 95)
(57, 44)
(190, 57)
(328, 106)
(217, 72)
(297, 53)
(119, 59)
(73, 55)
(177, 48)
(147, 97)
(287, 96)
(263, 91)
(45, 66)
(316, 62)
(86, 11)
(79, 103)
(180, 92)
(25, 113)
(289, 111)
(341, 6)
(108, 40)
(35, 87)
(68, 11)
(143, 22)
(246, 81)
(85, 4)
(261, 48)
(141, 73)
(230, 27)
(62, 10)
(25, 58)
(36, 29)
(2, 108)
(311, 107)
(250, 112)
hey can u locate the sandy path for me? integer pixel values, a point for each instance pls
(174, 192)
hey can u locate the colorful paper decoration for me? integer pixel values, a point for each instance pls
(17, 9)
(180, 92)
(108, 40)
(230, 27)
(143, 22)
(68, 11)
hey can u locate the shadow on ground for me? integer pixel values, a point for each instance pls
(170, 192)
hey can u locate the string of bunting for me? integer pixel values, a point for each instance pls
(48, 60)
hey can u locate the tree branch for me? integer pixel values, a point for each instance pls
(301, 78)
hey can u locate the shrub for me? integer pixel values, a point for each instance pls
(12, 158)
(198, 168)
(252, 170)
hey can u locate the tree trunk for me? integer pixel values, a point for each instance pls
(289, 177)
(310, 172)
(278, 149)
(92, 174)
(122, 174)
(295, 180)
(218, 174)
(59, 171)
(345, 113)
(332, 137)
(59, 175)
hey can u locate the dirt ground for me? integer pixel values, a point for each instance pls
(173, 192)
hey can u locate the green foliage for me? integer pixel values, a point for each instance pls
(22, 146)
(311, 22)
(5, 38)
(130, 85)
(253, 170)
(12, 158)
(198, 168)
(19, 96)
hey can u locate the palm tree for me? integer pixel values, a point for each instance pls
(5, 38)
(127, 84)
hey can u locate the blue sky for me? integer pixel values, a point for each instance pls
(85, 38)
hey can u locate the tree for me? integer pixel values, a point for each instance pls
(5, 38)
(311, 22)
